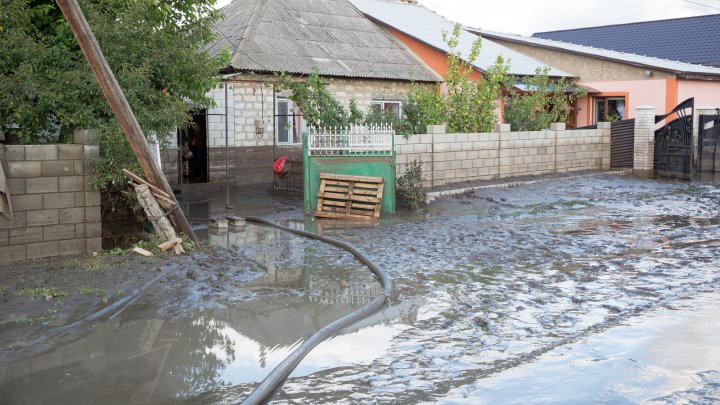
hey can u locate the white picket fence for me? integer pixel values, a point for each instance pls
(372, 140)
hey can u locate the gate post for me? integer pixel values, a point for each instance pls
(604, 129)
(696, 129)
(644, 147)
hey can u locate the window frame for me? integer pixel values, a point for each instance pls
(382, 104)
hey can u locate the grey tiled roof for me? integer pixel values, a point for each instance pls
(423, 24)
(691, 40)
(295, 36)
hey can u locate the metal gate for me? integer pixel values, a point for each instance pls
(673, 142)
(708, 148)
(622, 144)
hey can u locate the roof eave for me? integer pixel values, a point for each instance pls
(680, 74)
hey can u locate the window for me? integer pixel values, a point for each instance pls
(387, 107)
(289, 123)
(609, 109)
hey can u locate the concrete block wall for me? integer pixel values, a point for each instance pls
(453, 158)
(56, 211)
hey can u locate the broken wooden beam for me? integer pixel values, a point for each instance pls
(142, 252)
(120, 106)
(169, 244)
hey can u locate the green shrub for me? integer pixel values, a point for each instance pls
(410, 190)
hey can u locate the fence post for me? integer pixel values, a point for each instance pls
(605, 129)
(644, 148)
(706, 110)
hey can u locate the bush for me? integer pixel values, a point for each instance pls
(410, 190)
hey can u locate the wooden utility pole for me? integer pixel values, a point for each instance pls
(120, 107)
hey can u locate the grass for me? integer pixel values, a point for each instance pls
(47, 293)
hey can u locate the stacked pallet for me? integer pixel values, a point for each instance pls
(354, 197)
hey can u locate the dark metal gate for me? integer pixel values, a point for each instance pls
(708, 157)
(622, 144)
(673, 142)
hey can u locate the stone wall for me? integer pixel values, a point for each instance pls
(56, 211)
(453, 158)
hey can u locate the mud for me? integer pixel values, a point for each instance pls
(487, 284)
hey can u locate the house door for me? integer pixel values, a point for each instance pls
(193, 142)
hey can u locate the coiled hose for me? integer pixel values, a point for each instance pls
(272, 383)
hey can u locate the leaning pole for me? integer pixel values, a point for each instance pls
(120, 107)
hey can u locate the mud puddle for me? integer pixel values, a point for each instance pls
(485, 283)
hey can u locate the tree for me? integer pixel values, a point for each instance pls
(542, 102)
(154, 47)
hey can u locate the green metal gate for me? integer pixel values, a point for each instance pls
(356, 151)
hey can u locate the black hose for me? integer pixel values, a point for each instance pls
(272, 383)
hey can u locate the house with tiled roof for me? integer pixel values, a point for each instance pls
(691, 39)
(255, 122)
(620, 80)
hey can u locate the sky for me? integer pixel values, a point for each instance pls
(526, 17)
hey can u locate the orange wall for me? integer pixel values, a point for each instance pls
(636, 92)
(434, 58)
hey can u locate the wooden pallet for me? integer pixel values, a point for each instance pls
(355, 197)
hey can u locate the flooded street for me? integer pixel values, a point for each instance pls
(599, 289)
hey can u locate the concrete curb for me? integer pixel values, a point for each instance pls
(432, 196)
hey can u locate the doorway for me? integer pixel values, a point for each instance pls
(193, 143)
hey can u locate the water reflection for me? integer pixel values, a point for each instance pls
(142, 357)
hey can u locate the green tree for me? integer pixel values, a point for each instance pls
(467, 105)
(319, 107)
(154, 47)
(542, 102)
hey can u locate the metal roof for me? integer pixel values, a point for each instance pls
(680, 68)
(691, 40)
(426, 26)
(297, 36)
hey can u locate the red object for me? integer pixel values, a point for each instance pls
(279, 165)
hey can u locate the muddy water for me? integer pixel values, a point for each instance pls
(486, 284)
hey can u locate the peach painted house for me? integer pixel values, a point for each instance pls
(622, 81)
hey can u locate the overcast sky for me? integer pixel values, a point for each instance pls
(528, 16)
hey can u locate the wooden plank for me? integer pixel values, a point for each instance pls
(337, 183)
(142, 252)
(363, 198)
(343, 216)
(364, 179)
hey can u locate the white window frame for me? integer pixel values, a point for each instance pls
(382, 104)
(291, 115)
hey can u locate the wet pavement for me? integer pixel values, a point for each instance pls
(498, 293)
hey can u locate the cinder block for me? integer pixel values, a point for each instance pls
(4, 239)
(26, 202)
(78, 167)
(58, 168)
(19, 220)
(41, 152)
(58, 232)
(23, 236)
(79, 199)
(92, 198)
(24, 169)
(58, 200)
(70, 183)
(86, 137)
(93, 245)
(72, 247)
(43, 250)
(91, 152)
(70, 152)
(92, 214)
(14, 153)
(93, 230)
(42, 217)
(12, 254)
(16, 186)
(41, 185)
